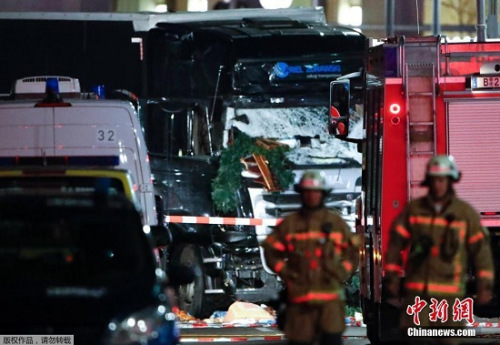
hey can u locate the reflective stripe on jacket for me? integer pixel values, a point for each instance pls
(440, 246)
(314, 253)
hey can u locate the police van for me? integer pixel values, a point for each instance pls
(63, 127)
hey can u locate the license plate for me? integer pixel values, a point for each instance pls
(482, 82)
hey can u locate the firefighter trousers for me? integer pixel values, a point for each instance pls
(307, 322)
(325, 339)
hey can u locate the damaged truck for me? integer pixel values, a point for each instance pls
(236, 110)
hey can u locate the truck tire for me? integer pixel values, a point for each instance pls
(190, 296)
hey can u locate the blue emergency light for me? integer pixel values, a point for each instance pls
(52, 97)
(52, 86)
(100, 91)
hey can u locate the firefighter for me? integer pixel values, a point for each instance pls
(442, 233)
(314, 252)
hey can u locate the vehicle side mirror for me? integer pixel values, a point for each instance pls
(160, 213)
(339, 108)
(161, 235)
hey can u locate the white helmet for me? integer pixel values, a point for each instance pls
(442, 165)
(312, 180)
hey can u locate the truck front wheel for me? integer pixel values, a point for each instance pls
(191, 296)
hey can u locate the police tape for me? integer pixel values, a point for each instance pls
(231, 339)
(484, 325)
(214, 332)
(349, 321)
(223, 220)
(250, 339)
(230, 332)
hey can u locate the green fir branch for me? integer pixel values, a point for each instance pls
(229, 180)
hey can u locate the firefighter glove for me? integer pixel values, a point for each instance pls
(420, 249)
(484, 297)
(288, 274)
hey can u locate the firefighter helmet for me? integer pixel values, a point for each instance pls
(442, 165)
(312, 180)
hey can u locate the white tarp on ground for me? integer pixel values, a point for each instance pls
(247, 312)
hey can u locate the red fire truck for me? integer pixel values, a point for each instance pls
(423, 96)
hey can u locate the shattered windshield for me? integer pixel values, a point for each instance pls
(303, 129)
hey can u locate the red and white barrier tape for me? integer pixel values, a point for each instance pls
(255, 221)
(484, 325)
(232, 339)
(222, 220)
(245, 339)
(212, 327)
(350, 321)
(203, 324)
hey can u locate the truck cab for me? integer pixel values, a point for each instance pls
(219, 78)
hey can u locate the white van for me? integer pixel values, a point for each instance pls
(87, 129)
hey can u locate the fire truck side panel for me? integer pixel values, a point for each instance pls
(454, 62)
(369, 210)
(473, 153)
(441, 142)
(444, 103)
(446, 85)
(394, 174)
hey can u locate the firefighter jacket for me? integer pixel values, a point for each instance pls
(440, 246)
(314, 252)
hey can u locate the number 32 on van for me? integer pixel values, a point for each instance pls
(106, 135)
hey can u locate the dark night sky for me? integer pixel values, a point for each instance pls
(96, 52)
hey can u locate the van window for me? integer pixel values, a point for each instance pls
(65, 247)
(61, 184)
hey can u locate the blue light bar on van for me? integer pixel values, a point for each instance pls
(51, 86)
(100, 91)
(52, 97)
(60, 161)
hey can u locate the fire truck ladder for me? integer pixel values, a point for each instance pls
(420, 70)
